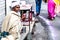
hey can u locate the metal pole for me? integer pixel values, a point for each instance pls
(5, 8)
(29, 34)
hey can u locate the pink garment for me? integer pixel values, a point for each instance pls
(51, 8)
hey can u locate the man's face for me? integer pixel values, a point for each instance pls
(17, 8)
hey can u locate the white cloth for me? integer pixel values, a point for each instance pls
(14, 4)
(12, 24)
(10, 37)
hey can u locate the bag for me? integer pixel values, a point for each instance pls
(4, 34)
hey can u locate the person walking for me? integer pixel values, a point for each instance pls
(57, 9)
(51, 9)
(38, 6)
(12, 23)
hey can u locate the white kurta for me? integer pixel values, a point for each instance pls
(12, 24)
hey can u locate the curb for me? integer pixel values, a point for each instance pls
(47, 25)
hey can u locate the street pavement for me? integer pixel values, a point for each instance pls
(40, 31)
(55, 29)
(52, 31)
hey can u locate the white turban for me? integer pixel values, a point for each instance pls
(13, 4)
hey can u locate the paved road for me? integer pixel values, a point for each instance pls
(54, 26)
(55, 29)
(41, 32)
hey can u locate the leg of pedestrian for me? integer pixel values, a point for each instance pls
(38, 6)
(51, 9)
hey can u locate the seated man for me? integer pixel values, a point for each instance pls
(12, 23)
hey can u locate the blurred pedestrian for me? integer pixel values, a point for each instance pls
(57, 2)
(38, 6)
(51, 9)
(12, 23)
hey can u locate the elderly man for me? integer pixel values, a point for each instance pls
(12, 23)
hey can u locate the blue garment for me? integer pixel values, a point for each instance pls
(38, 5)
